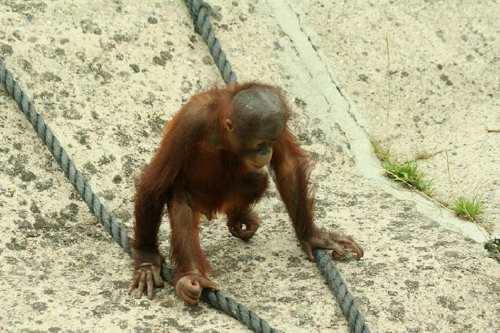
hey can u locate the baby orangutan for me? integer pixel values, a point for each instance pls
(211, 160)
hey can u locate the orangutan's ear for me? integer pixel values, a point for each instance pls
(228, 124)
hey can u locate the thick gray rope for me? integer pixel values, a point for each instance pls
(112, 226)
(344, 298)
(198, 10)
(61, 156)
(356, 321)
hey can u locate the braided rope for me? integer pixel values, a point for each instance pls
(198, 10)
(344, 298)
(238, 311)
(61, 156)
(356, 321)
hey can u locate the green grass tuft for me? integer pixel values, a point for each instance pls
(468, 208)
(408, 174)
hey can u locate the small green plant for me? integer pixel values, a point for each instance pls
(382, 152)
(408, 174)
(468, 208)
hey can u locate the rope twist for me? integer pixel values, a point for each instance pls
(198, 10)
(344, 298)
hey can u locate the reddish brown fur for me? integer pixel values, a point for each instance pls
(183, 161)
(197, 171)
(293, 185)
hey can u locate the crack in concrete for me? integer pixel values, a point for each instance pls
(352, 124)
(332, 79)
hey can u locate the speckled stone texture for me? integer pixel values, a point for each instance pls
(443, 81)
(107, 75)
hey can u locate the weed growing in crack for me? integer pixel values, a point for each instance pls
(408, 174)
(468, 208)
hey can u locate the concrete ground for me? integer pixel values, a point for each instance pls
(107, 75)
(444, 89)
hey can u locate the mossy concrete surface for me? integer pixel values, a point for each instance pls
(107, 75)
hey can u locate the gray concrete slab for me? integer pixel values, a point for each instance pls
(106, 76)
